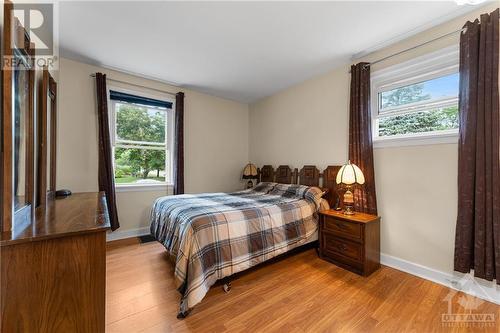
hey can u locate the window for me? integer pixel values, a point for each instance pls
(417, 101)
(141, 138)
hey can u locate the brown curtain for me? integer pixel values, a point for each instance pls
(477, 237)
(106, 175)
(179, 144)
(360, 137)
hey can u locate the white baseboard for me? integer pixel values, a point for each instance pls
(127, 233)
(466, 283)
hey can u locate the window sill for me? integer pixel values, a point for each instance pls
(416, 140)
(168, 188)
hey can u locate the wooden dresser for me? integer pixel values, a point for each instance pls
(53, 273)
(350, 241)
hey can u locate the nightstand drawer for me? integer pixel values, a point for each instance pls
(350, 241)
(342, 247)
(343, 228)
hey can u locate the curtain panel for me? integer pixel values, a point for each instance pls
(178, 167)
(477, 237)
(106, 174)
(360, 137)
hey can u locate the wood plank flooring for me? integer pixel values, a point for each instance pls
(300, 293)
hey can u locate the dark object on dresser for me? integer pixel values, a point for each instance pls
(63, 193)
(350, 241)
(54, 272)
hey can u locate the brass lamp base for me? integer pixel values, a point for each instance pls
(348, 202)
(348, 210)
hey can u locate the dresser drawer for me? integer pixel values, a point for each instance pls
(342, 247)
(342, 228)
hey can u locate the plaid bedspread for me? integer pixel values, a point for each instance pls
(215, 235)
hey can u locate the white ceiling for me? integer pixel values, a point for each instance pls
(237, 50)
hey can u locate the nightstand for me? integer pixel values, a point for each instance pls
(350, 241)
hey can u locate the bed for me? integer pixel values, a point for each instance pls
(213, 236)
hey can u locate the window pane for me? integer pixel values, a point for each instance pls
(419, 122)
(139, 123)
(431, 90)
(139, 166)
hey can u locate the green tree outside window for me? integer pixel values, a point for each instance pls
(136, 123)
(418, 122)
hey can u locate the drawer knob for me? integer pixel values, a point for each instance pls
(341, 226)
(342, 247)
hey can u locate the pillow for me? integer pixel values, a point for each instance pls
(312, 193)
(323, 205)
(287, 190)
(325, 191)
(264, 187)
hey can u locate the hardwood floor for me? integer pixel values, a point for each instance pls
(300, 293)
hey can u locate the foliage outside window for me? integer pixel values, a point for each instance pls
(417, 99)
(141, 155)
(423, 107)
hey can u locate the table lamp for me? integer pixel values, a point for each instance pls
(250, 173)
(349, 175)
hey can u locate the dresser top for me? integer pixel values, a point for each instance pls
(357, 217)
(79, 213)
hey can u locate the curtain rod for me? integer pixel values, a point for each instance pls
(414, 47)
(138, 85)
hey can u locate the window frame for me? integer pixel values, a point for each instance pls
(423, 68)
(169, 137)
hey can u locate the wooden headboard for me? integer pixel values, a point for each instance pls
(309, 175)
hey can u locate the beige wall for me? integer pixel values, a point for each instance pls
(305, 124)
(416, 186)
(216, 141)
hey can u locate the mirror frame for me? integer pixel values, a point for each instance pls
(53, 133)
(15, 35)
(48, 90)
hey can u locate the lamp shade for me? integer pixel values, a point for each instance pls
(250, 171)
(350, 174)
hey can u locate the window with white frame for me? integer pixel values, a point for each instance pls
(141, 128)
(417, 99)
